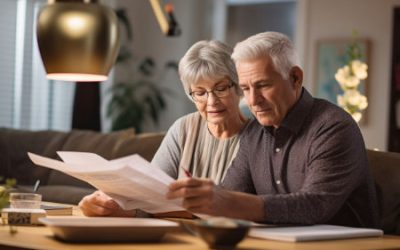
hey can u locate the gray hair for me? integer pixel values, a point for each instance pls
(209, 61)
(273, 44)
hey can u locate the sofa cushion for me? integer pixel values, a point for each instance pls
(386, 171)
(106, 145)
(145, 144)
(14, 145)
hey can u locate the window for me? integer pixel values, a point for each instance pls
(27, 99)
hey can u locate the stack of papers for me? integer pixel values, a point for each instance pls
(310, 233)
(132, 181)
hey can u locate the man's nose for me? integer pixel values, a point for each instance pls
(253, 97)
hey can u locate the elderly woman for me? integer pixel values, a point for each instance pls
(203, 143)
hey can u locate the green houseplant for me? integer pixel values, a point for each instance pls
(5, 189)
(138, 97)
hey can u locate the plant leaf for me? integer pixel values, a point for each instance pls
(147, 66)
(171, 65)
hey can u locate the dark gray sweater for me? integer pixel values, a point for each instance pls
(313, 169)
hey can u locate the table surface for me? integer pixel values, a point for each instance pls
(39, 237)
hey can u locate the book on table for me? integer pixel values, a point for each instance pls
(131, 181)
(57, 209)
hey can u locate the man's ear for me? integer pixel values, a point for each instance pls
(296, 76)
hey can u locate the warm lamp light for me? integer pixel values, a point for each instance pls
(78, 40)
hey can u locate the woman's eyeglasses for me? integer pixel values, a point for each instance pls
(219, 91)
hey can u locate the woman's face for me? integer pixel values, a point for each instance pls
(217, 101)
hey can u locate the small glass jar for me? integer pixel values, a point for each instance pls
(25, 200)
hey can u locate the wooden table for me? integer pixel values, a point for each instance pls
(37, 237)
(41, 238)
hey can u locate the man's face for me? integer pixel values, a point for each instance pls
(268, 95)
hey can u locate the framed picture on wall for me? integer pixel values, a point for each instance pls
(331, 55)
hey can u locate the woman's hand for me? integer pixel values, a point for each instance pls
(100, 204)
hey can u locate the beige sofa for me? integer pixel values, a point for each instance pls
(58, 187)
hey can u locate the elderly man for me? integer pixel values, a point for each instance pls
(302, 161)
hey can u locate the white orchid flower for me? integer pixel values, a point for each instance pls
(349, 77)
(352, 97)
(363, 102)
(359, 69)
(357, 116)
(345, 79)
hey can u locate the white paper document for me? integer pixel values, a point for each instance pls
(132, 181)
(315, 232)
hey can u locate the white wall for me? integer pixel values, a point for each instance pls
(247, 20)
(333, 19)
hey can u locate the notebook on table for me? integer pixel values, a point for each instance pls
(313, 233)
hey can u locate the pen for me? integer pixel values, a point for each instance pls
(35, 188)
(187, 173)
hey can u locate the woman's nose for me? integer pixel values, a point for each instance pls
(212, 98)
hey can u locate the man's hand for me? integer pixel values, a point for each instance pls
(100, 204)
(198, 194)
(203, 196)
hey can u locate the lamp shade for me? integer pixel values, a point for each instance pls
(77, 41)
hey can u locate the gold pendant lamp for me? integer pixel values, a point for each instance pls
(78, 40)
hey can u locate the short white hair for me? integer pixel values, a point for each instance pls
(273, 44)
(209, 61)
